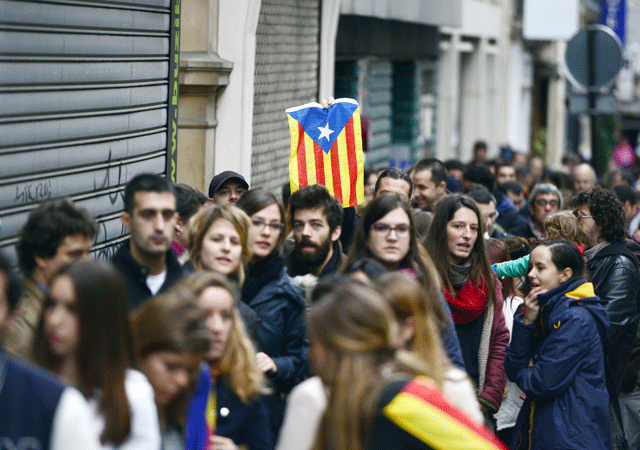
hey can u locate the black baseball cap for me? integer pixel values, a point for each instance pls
(222, 177)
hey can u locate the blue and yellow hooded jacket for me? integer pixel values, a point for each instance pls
(567, 404)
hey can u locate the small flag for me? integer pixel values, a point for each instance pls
(326, 149)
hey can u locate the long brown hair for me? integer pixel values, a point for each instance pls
(498, 252)
(239, 361)
(438, 247)
(409, 300)
(359, 334)
(171, 322)
(104, 343)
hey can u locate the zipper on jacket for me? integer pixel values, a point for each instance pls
(533, 410)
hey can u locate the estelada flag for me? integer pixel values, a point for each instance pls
(326, 149)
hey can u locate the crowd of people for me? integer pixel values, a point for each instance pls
(478, 306)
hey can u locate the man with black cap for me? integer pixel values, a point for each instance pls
(227, 187)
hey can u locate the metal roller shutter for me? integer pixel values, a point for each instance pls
(88, 97)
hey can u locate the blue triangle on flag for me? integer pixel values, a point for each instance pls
(324, 125)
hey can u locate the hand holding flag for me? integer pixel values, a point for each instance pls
(326, 148)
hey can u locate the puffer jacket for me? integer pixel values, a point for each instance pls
(616, 280)
(567, 405)
(281, 333)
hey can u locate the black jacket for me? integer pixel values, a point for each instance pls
(616, 280)
(135, 275)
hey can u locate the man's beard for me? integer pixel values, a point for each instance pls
(315, 258)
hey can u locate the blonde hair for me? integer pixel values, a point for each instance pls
(408, 299)
(564, 224)
(358, 331)
(205, 219)
(239, 361)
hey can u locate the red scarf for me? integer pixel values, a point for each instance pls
(469, 302)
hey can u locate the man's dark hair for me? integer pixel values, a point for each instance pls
(478, 145)
(46, 228)
(396, 174)
(438, 171)
(479, 174)
(606, 210)
(626, 194)
(454, 164)
(286, 193)
(482, 197)
(147, 182)
(316, 196)
(513, 186)
(14, 286)
(188, 200)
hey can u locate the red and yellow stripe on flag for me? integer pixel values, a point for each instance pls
(421, 410)
(326, 148)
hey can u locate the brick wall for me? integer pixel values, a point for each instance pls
(286, 74)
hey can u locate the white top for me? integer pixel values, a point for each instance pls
(145, 427)
(512, 402)
(71, 429)
(308, 401)
(305, 406)
(458, 389)
(155, 282)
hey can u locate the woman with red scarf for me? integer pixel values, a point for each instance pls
(456, 246)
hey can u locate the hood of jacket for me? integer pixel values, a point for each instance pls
(614, 249)
(571, 293)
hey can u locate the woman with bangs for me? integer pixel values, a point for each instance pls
(227, 408)
(84, 337)
(277, 300)
(387, 234)
(474, 295)
(218, 241)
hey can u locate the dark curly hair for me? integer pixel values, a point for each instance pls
(606, 210)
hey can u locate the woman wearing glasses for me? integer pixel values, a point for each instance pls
(387, 234)
(275, 297)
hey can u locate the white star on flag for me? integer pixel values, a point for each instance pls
(325, 131)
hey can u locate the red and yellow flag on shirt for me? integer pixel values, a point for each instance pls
(326, 149)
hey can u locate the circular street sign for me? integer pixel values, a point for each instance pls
(606, 56)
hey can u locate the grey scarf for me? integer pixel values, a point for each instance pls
(589, 254)
(459, 274)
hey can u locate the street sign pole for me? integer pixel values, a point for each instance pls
(598, 158)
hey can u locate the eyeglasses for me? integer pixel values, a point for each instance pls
(542, 203)
(383, 228)
(579, 215)
(273, 226)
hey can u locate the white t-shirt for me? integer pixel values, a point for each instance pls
(145, 427)
(71, 429)
(155, 282)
